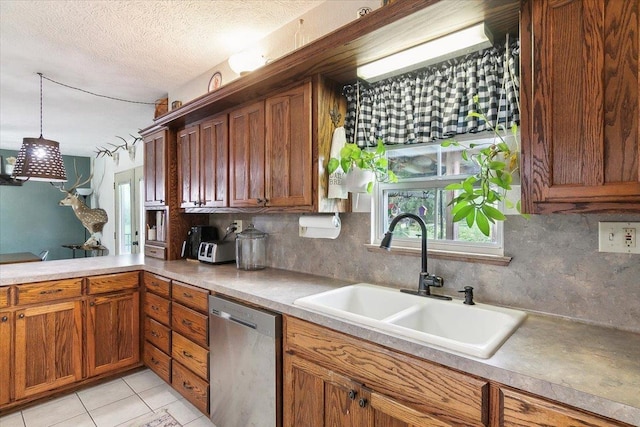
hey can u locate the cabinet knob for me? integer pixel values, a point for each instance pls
(362, 402)
(5, 318)
(352, 394)
(187, 385)
(21, 316)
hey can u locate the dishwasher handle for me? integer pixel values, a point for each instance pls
(228, 316)
(262, 321)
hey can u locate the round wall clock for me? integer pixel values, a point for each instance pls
(216, 81)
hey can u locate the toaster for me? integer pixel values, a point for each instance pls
(217, 252)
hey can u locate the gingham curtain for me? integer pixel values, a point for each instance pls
(435, 102)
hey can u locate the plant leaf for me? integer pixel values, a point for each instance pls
(493, 213)
(333, 164)
(482, 223)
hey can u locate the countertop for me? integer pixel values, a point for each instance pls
(590, 367)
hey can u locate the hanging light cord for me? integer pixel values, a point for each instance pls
(40, 74)
(88, 92)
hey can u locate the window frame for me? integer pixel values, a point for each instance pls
(379, 208)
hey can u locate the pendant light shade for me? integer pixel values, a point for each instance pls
(39, 159)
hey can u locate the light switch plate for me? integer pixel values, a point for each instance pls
(619, 237)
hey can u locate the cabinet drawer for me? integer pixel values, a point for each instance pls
(192, 387)
(113, 282)
(190, 324)
(49, 291)
(523, 410)
(158, 308)
(154, 251)
(157, 285)
(190, 355)
(192, 297)
(4, 297)
(456, 398)
(157, 334)
(157, 361)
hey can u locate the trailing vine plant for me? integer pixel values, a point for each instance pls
(479, 194)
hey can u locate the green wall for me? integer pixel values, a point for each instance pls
(31, 219)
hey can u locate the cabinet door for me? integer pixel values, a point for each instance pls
(247, 154)
(580, 102)
(48, 347)
(314, 396)
(288, 174)
(214, 152)
(189, 167)
(6, 344)
(113, 331)
(155, 169)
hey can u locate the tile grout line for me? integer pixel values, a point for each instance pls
(86, 409)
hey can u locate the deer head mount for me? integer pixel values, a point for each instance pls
(92, 219)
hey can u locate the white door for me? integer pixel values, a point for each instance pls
(128, 187)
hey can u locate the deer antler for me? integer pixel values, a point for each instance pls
(77, 183)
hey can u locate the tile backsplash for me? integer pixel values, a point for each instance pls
(556, 267)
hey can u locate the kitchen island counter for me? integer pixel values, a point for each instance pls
(587, 366)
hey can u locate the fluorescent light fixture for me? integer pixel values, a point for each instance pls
(450, 46)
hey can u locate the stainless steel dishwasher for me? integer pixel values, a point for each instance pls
(245, 365)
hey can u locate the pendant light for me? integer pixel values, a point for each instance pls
(39, 159)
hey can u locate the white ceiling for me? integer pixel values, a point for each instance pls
(136, 50)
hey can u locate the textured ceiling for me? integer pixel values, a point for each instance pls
(137, 50)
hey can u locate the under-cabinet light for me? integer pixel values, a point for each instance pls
(455, 44)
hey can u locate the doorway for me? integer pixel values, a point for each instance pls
(128, 187)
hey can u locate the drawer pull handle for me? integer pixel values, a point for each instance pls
(92, 303)
(186, 322)
(49, 292)
(352, 394)
(5, 318)
(187, 354)
(187, 295)
(154, 361)
(186, 385)
(155, 308)
(155, 334)
(362, 402)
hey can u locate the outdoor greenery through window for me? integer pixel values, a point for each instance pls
(423, 171)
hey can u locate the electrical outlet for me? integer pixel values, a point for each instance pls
(619, 237)
(238, 223)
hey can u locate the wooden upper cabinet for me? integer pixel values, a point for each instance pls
(580, 106)
(155, 167)
(247, 156)
(289, 149)
(189, 166)
(214, 154)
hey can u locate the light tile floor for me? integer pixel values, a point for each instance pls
(110, 404)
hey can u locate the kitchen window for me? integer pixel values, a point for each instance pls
(423, 171)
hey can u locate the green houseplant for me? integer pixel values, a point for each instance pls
(479, 194)
(352, 156)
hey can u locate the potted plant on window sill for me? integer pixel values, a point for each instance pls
(479, 195)
(363, 167)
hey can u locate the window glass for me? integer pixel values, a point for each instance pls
(423, 172)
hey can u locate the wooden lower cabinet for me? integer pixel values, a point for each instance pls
(514, 408)
(113, 331)
(48, 347)
(322, 367)
(157, 361)
(6, 327)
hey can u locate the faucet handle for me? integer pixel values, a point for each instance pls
(468, 295)
(437, 281)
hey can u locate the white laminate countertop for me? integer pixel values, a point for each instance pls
(590, 367)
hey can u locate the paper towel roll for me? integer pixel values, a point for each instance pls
(319, 226)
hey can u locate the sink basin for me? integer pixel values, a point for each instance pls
(477, 330)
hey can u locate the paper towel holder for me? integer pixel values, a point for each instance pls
(319, 226)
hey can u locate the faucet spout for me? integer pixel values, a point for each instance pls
(426, 280)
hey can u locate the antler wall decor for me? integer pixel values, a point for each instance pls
(128, 146)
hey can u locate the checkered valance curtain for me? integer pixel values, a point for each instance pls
(435, 102)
